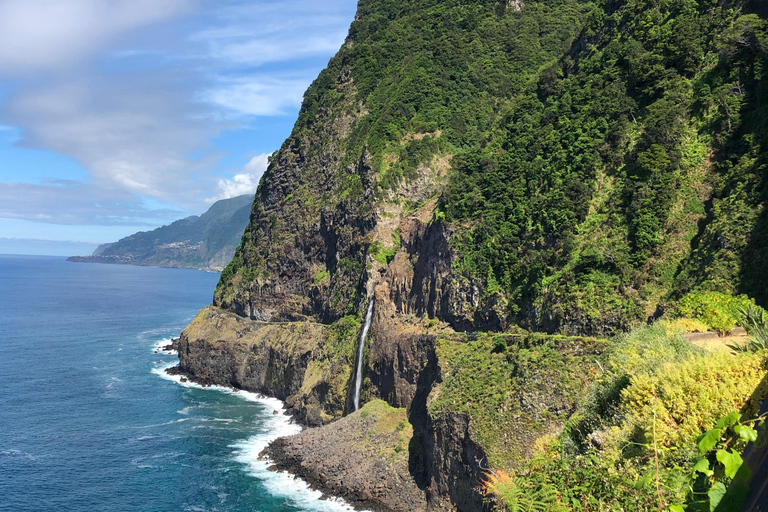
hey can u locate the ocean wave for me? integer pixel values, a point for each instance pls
(159, 347)
(17, 454)
(281, 484)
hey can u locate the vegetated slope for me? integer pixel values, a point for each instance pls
(206, 242)
(594, 177)
(416, 82)
(632, 172)
(490, 167)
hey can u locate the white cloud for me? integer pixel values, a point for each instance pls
(257, 52)
(135, 136)
(47, 35)
(257, 96)
(135, 91)
(243, 183)
(76, 203)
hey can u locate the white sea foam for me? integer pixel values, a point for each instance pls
(159, 347)
(247, 452)
(17, 453)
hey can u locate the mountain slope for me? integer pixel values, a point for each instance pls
(510, 183)
(206, 242)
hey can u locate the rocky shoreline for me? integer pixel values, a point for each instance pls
(343, 460)
(362, 458)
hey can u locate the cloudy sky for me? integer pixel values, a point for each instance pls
(123, 115)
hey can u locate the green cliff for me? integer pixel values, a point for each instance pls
(206, 242)
(517, 184)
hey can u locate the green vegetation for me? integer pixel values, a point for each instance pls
(385, 256)
(756, 323)
(634, 434)
(584, 203)
(515, 394)
(523, 495)
(608, 158)
(392, 424)
(719, 311)
(441, 69)
(719, 480)
(320, 277)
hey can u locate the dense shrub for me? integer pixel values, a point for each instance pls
(719, 311)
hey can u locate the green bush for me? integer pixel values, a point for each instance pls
(721, 312)
(382, 255)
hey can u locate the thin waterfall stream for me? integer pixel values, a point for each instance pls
(360, 350)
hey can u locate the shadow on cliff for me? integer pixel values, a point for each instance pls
(735, 231)
(418, 416)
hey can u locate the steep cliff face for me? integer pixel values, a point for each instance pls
(305, 364)
(490, 167)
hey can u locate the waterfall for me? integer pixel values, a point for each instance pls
(360, 349)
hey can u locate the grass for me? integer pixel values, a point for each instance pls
(513, 392)
(391, 431)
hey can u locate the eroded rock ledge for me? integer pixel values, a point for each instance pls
(305, 364)
(363, 458)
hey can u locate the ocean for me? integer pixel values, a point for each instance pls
(89, 421)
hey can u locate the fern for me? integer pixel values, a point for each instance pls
(523, 495)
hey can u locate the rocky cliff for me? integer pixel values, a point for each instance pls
(485, 170)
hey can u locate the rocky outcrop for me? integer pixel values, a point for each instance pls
(305, 364)
(363, 458)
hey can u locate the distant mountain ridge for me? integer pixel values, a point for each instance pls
(206, 242)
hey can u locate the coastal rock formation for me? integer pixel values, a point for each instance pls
(363, 458)
(307, 365)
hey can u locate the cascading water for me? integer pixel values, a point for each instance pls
(360, 349)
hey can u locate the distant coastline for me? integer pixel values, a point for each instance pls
(121, 260)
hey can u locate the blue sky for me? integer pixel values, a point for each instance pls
(119, 116)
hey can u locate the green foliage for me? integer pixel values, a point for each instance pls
(499, 344)
(719, 479)
(721, 312)
(524, 495)
(320, 277)
(755, 320)
(683, 399)
(382, 255)
(657, 396)
(442, 68)
(583, 189)
(514, 394)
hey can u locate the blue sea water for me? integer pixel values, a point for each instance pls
(90, 422)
